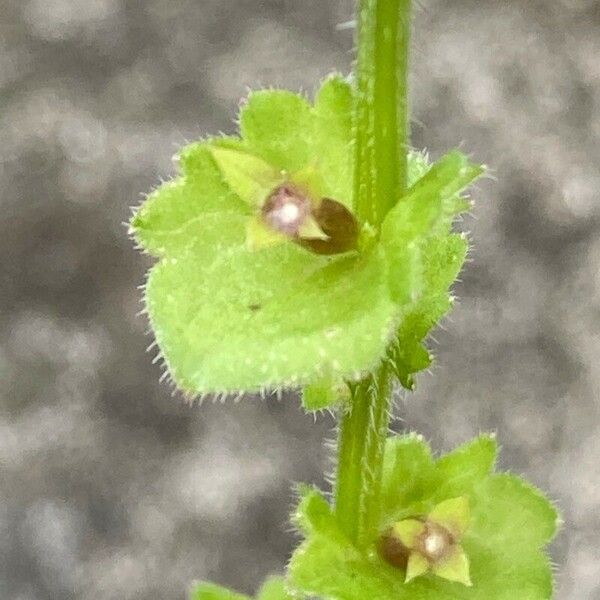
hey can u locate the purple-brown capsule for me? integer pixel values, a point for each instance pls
(392, 550)
(338, 224)
(326, 227)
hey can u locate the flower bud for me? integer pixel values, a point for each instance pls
(430, 544)
(323, 227)
(286, 210)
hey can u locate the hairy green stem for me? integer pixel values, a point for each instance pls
(381, 127)
(362, 437)
(352, 439)
(381, 141)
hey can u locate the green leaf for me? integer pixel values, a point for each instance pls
(286, 131)
(510, 523)
(326, 546)
(323, 394)
(278, 316)
(512, 511)
(314, 515)
(236, 307)
(332, 138)
(442, 259)
(418, 165)
(429, 199)
(277, 126)
(210, 591)
(466, 466)
(321, 567)
(415, 233)
(197, 206)
(409, 472)
(273, 589)
(419, 214)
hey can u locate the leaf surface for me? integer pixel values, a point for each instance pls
(236, 307)
(273, 589)
(279, 316)
(510, 523)
(210, 591)
(417, 233)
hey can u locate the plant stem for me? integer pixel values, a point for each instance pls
(363, 431)
(352, 438)
(381, 127)
(381, 141)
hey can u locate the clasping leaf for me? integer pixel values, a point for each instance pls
(265, 277)
(489, 533)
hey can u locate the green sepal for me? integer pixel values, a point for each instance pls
(444, 526)
(259, 235)
(456, 567)
(311, 181)
(311, 230)
(453, 515)
(247, 175)
(417, 565)
(408, 530)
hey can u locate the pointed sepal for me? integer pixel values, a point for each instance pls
(247, 175)
(454, 567)
(259, 235)
(409, 531)
(453, 515)
(417, 565)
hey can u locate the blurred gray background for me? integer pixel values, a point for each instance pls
(112, 489)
